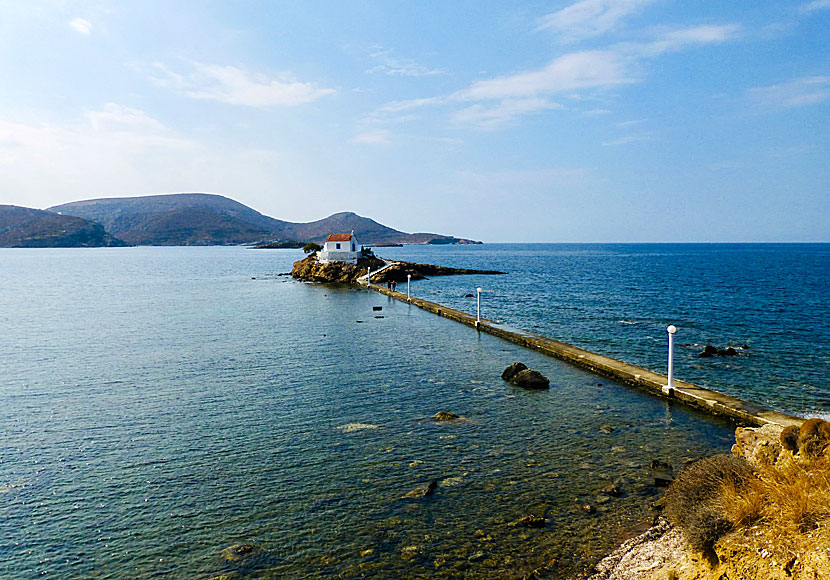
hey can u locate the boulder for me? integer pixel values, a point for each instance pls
(445, 416)
(710, 351)
(424, 491)
(662, 472)
(758, 445)
(512, 370)
(239, 553)
(530, 379)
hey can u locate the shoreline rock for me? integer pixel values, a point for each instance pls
(310, 270)
(759, 543)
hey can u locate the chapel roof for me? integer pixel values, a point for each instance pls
(339, 237)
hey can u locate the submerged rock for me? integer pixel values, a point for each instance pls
(241, 553)
(530, 522)
(425, 491)
(662, 472)
(352, 427)
(446, 416)
(612, 490)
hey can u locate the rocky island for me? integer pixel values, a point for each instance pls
(311, 270)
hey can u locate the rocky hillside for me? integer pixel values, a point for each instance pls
(205, 219)
(22, 227)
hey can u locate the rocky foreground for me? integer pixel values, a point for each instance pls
(309, 269)
(762, 513)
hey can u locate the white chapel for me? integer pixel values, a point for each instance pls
(340, 248)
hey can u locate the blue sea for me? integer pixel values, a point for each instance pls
(159, 405)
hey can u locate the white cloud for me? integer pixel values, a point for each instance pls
(680, 39)
(379, 137)
(577, 70)
(235, 86)
(395, 66)
(402, 106)
(503, 99)
(796, 93)
(816, 5)
(628, 139)
(502, 113)
(595, 112)
(120, 117)
(589, 18)
(81, 26)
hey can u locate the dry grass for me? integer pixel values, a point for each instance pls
(788, 503)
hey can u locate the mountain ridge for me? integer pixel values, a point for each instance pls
(211, 219)
(24, 227)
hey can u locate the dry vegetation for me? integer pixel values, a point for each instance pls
(766, 518)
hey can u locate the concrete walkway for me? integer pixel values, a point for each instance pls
(710, 401)
(362, 279)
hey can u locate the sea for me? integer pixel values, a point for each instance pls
(160, 405)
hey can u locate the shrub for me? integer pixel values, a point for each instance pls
(311, 247)
(694, 501)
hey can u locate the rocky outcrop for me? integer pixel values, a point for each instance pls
(512, 370)
(710, 351)
(444, 416)
(310, 270)
(518, 374)
(766, 519)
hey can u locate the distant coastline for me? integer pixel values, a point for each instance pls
(185, 219)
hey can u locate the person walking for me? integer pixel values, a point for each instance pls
(394, 286)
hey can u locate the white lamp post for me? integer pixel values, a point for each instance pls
(669, 388)
(478, 307)
(408, 280)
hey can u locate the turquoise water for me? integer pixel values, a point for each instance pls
(162, 404)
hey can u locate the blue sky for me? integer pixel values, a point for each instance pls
(596, 120)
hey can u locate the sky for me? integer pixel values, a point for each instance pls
(559, 121)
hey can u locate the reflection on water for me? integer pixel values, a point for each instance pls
(163, 404)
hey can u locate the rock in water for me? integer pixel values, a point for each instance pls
(530, 379)
(512, 370)
(445, 416)
(531, 522)
(239, 552)
(710, 351)
(662, 472)
(425, 491)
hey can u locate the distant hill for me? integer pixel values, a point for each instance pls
(206, 219)
(23, 227)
